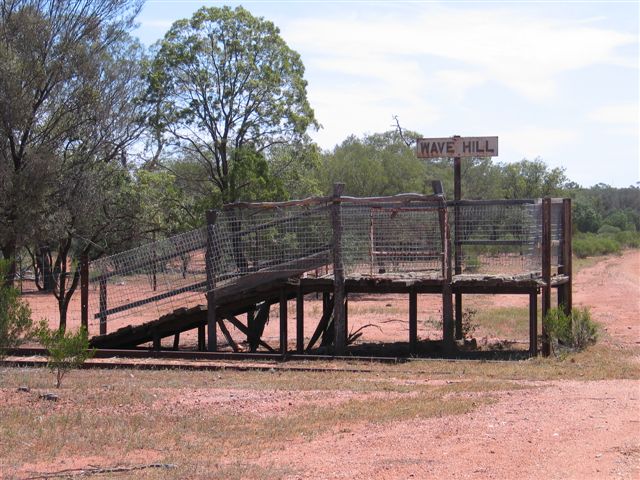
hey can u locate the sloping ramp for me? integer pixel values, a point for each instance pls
(230, 302)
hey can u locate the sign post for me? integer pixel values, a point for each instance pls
(458, 148)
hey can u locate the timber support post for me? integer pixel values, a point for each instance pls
(300, 320)
(84, 291)
(339, 323)
(413, 321)
(447, 296)
(566, 265)
(457, 237)
(103, 305)
(533, 323)
(212, 338)
(284, 340)
(546, 271)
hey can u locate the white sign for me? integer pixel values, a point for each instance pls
(457, 147)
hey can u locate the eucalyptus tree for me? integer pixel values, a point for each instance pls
(227, 88)
(50, 52)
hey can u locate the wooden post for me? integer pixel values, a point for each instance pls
(201, 339)
(533, 324)
(300, 320)
(212, 338)
(251, 325)
(84, 291)
(447, 300)
(283, 323)
(546, 269)
(103, 306)
(457, 196)
(564, 292)
(340, 341)
(413, 321)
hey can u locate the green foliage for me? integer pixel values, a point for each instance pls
(620, 220)
(608, 230)
(609, 240)
(15, 315)
(231, 81)
(570, 332)
(67, 350)
(586, 218)
(532, 179)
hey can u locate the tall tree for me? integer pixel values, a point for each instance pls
(227, 87)
(48, 52)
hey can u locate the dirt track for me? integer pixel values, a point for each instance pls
(560, 429)
(524, 429)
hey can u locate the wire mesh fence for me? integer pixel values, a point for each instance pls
(496, 238)
(252, 243)
(392, 239)
(504, 237)
(165, 275)
(284, 240)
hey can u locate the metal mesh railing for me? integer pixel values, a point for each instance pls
(504, 237)
(167, 274)
(496, 238)
(252, 243)
(393, 239)
(249, 242)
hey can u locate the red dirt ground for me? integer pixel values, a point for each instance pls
(562, 429)
(558, 429)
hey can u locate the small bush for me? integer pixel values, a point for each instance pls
(15, 315)
(589, 245)
(67, 350)
(608, 229)
(574, 332)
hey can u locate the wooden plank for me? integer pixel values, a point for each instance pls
(103, 306)
(260, 322)
(447, 300)
(227, 335)
(284, 339)
(201, 339)
(238, 324)
(300, 319)
(84, 291)
(154, 298)
(340, 342)
(413, 321)
(322, 325)
(533, 324)
(546, 270)
(567, 256)
(212, 335)
(457, 241)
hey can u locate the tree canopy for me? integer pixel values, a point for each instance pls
(228, 88)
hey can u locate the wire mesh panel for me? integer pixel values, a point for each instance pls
(499, 238)
(391, 238)
(280, 240)
(557, 232)
(166, 275)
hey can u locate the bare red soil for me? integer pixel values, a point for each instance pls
(549, 429)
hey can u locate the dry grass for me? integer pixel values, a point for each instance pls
(111, 417)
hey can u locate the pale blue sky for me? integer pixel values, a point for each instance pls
(552, 80)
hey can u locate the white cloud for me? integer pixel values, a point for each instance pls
(524, 53)
(621, 114)
(533, 141)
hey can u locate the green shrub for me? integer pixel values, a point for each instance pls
(15, 315)
(608, 229)
(588, 245)
(67, 350)
(574, 332)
